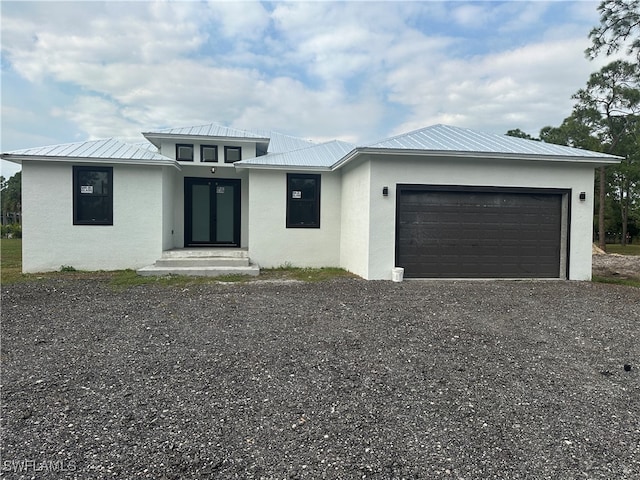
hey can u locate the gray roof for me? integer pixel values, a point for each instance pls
(106, 149)
(278, 142)
(323, 155)
(210, 130)
(444, 138)
(285, 151)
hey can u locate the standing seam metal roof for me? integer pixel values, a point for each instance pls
(288, 151)
(455, 139)
(278, 142)
(321, 155)
(106, 148)
(210, 130)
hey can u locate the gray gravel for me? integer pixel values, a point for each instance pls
(342, 379)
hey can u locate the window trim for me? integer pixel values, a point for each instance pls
(290, 200)
(77, 169)
(215, 148)
(178, 145)
(230, 147)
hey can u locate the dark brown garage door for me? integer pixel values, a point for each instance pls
(474, 233)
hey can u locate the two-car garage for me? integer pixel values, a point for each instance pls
(481, 232)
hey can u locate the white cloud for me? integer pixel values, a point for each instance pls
(240, 19)
(531, 85)
(475, 15)
(327, 69)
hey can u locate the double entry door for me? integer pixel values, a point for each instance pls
(212, 212)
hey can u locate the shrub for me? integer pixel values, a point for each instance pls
(12, 230)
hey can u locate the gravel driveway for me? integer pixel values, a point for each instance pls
(341, 379)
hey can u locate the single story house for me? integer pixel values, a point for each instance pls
(440, 202)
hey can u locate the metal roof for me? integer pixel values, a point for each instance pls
(287, 151)
(210, 130)
(277, 142)
(280, 143)
(109, 148)
(323, 155)
(444, 138)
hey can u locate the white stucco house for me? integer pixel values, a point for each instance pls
(440, 202)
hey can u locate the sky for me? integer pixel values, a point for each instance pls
(357, 71)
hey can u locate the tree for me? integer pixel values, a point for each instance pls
(605, 118)
(11, 193)
(609, 106)
(516, 132)
(575, 131)
(619, 24)
(626, 177)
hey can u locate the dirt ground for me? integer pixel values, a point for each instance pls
(339, 380)
(617, 266)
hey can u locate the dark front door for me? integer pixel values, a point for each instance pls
(212, 212)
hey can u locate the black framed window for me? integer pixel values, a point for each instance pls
(184, 152)
(208, 153)
(232, 154)
(92, 195)
(303, 200)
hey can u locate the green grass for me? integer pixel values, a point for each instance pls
(11, 271)
(627, 282)
(11, 260)
(287, 272)
(633, 249)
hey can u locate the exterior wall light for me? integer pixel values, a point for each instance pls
(583, 196)
(213, 169)
(385, 191)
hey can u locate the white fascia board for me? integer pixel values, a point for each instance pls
(155, 137)
(595, 161)
(347, 158)
(115, 161)
(256, 166)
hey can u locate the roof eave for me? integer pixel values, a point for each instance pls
(154, 137)
(116, 161)
(256, 166)
(596, 161)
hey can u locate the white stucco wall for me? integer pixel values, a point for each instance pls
(387, 171)
(355, 218)
(168, 200)
(50, 239)
(271, 244)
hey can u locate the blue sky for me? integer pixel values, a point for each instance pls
(356, 71)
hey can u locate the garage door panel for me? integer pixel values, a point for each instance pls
(479, 234)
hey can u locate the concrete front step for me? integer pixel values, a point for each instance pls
(205, 252)
(203, 262)
(209, 262)
(151, 270)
